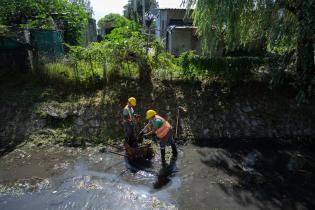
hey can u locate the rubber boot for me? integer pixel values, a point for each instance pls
(127, 140)
(174, 149)
(163, 156)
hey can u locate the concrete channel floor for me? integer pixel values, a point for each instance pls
(200, 178)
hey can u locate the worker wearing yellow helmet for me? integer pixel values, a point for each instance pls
(163, 132)
(129, 121)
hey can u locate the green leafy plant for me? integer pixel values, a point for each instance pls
(45, 14)
(226, 68)
(111, 21)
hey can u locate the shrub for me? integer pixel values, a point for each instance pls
(226, 68)
(122, 53)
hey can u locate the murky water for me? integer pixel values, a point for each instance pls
(200, 178)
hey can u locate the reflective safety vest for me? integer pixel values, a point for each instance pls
(131, 118)
(164, 129)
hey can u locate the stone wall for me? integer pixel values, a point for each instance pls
(247, 111)
(205, 111)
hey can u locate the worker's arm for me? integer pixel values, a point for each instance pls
(147, 129)
(149, 133)
(156, 124)
(152, 130)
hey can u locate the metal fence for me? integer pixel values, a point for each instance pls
(49, 42)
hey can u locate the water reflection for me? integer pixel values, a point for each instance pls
(166, 173)
(135, 166)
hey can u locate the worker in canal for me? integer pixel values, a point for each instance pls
(129, 121)
(161, 131)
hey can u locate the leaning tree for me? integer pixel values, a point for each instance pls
(286, 24)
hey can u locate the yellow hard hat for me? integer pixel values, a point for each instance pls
(132, 101)
(150, 113)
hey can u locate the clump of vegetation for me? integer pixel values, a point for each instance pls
(223, 68)
(110, 22)
(45, 14)
(125, 52)
(284, 26)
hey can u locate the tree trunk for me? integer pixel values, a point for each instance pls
(105, 79)
(305, 51)
(145, 72)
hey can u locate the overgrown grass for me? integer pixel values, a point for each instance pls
(89, 72)
(84, 74)
(64, 72)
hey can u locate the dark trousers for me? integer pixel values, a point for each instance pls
(129, 133)
(168, 140)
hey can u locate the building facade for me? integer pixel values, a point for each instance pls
(175, 28)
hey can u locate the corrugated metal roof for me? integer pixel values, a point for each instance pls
(174, 27)
(156, 11)
(170, 9)
(183, 27)
(165, 8)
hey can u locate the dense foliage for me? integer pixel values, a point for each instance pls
(46, 14)
(124, 53)
(232, 69)
(285, 28)
(287, 25)
(107, 23)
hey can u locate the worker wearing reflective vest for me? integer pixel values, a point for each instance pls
(162, 130)
(129, 121)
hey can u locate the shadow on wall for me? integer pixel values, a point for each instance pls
(21, 94)
(12, 60)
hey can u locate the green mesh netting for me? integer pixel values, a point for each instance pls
(48, 42)
(11, 44)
